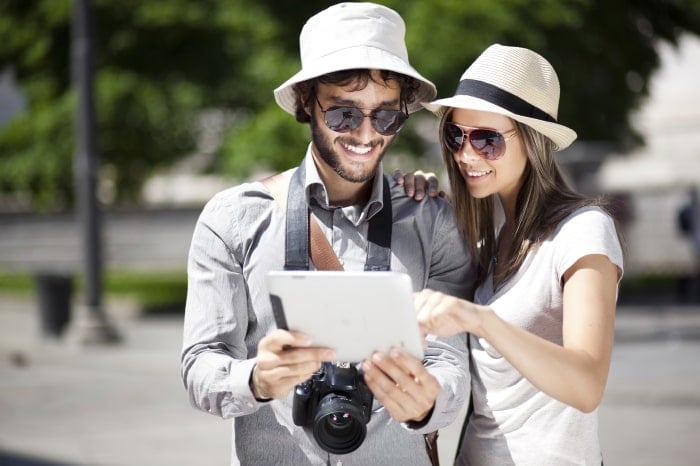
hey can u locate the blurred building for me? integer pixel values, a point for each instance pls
(670, 122)
(654, 180)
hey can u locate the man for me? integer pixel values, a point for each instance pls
(355, 89)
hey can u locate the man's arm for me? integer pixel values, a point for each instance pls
(215, 366)
(221, 376)
(452, 271)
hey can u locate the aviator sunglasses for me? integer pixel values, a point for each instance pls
(345, 119)
(488, 143)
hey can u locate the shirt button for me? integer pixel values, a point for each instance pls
(250, 405)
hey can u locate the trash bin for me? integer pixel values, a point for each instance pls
(54, 293)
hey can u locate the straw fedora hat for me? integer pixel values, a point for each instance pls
(349, 36)
(515, 82)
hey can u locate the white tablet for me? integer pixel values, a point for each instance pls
(356, 313)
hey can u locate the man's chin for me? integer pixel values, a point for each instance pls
(355, 176)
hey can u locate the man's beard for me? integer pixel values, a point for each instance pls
(324, 147)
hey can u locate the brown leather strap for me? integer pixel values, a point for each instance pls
(431, 447)
(321, 252)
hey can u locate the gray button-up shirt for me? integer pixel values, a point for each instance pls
(238, 239)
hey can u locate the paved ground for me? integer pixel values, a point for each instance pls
(125, 405)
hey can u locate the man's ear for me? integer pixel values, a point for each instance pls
(305, 103)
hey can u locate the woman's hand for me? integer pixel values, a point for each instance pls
(444, 315)
(416, 183)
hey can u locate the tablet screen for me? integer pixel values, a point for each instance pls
(356, 313)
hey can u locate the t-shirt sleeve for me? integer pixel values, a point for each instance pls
(587, 231)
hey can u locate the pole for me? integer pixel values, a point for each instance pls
(92, 325)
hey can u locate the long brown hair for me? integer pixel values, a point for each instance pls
(544, 200)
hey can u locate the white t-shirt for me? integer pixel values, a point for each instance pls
(513, 421)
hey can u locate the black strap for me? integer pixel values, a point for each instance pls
(505, 99)
(297, 224)
(379, 235)
(297, 229)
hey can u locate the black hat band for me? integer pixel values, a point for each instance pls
(504, 99)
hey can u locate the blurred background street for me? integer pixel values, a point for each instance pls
(125, 404)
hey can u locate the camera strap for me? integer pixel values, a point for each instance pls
(304, 238)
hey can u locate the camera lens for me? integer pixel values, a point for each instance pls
(339, 425)
(339, 420)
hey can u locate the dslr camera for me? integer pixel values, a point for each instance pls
(336, 404)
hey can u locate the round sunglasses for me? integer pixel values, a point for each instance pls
(488, 143)
(345, 119)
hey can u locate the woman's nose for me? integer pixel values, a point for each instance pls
(465, 154)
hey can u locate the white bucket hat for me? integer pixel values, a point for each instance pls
(514, 82)
(352, 36)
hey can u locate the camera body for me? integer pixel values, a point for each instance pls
(337, 404)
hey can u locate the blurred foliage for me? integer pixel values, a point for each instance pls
(152, 291)
(157, 64)
(16, 282)
(160, 62)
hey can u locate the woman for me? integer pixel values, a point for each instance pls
(542, 322)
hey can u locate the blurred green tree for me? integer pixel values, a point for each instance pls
(604, 51)
(161, 62)
(158, 63)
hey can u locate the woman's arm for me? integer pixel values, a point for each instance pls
(574, 373)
